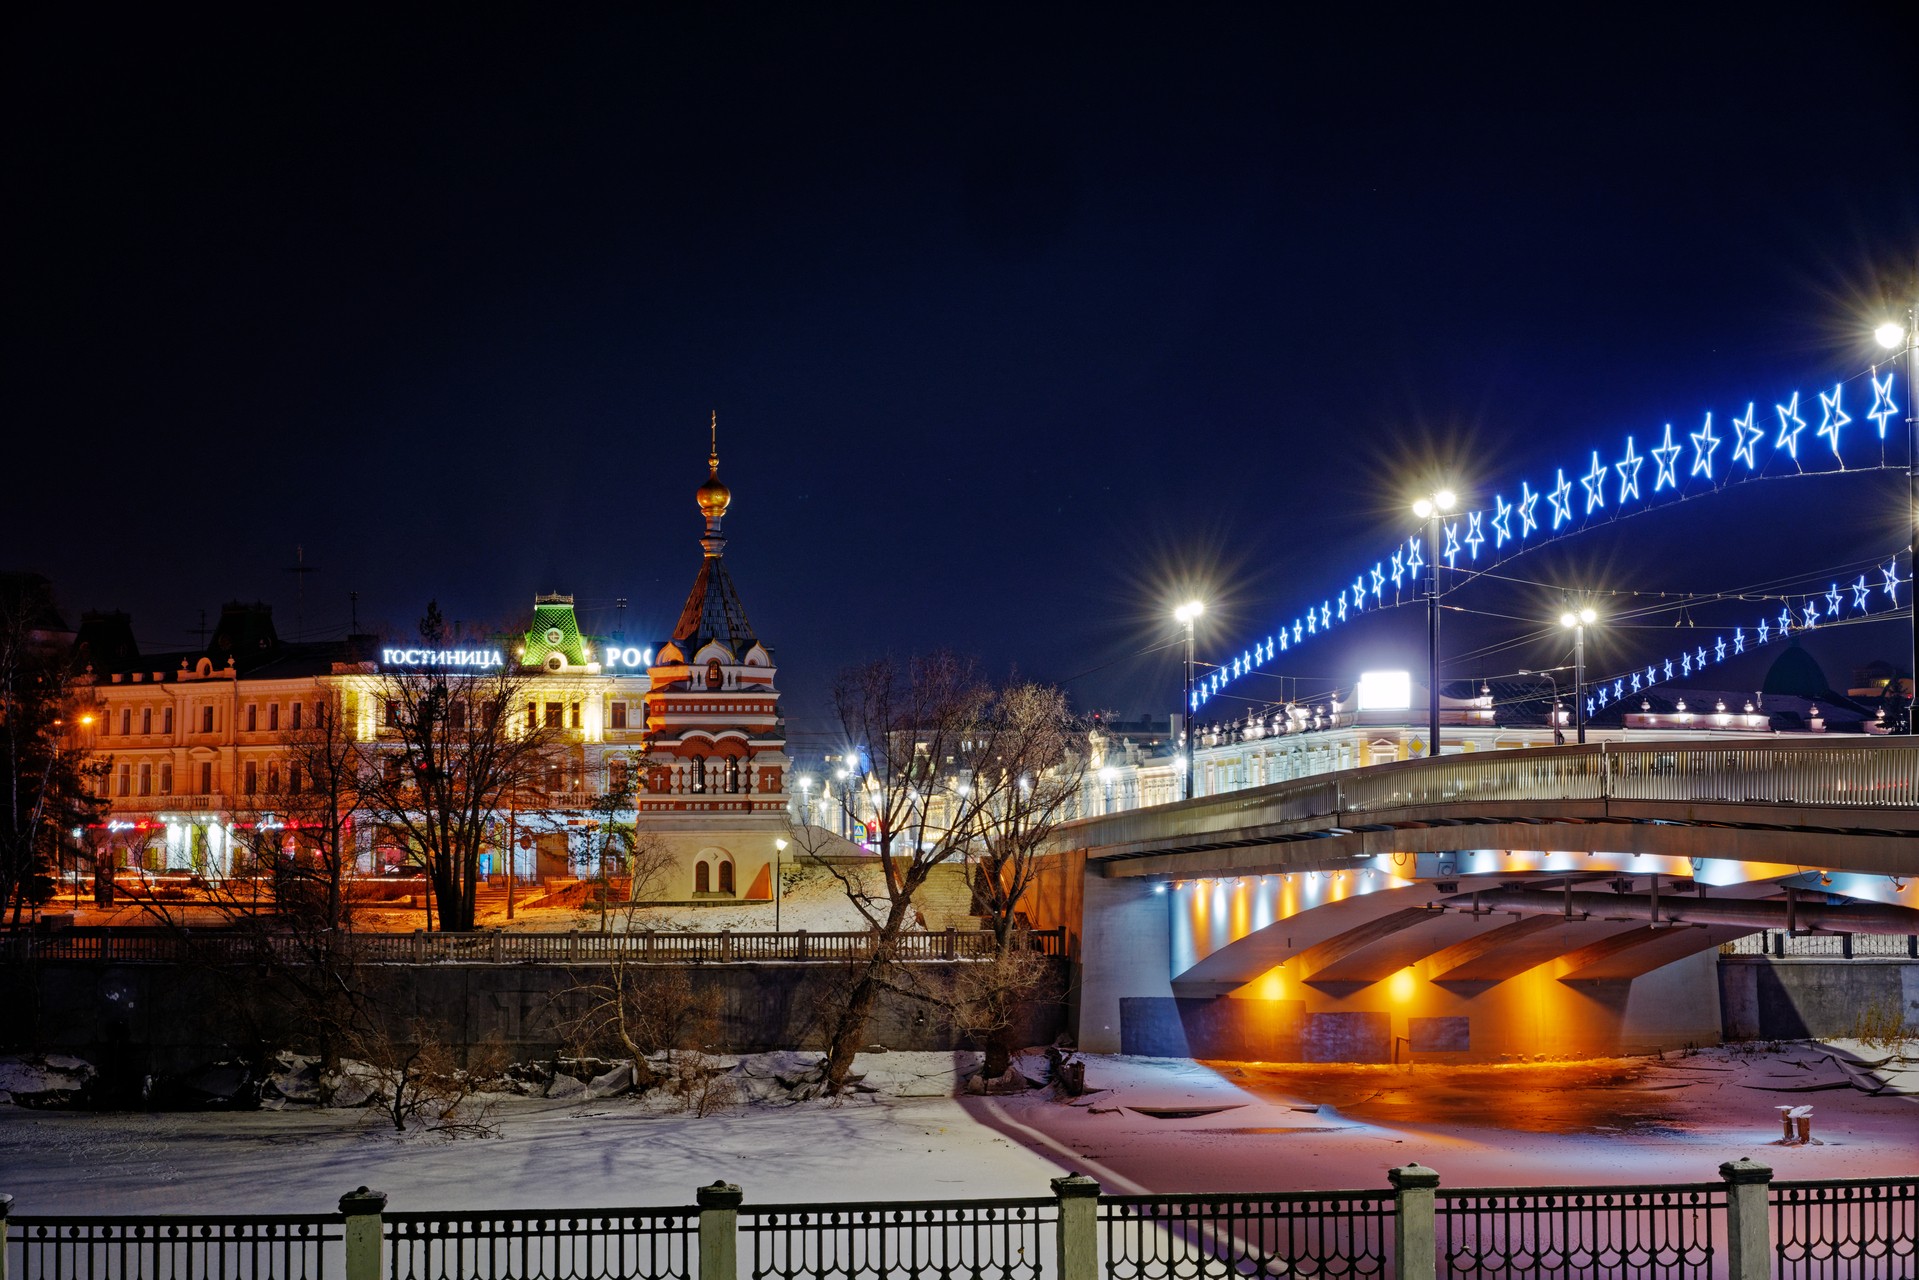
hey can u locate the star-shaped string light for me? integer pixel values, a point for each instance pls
(1785, 620)
(1738, 639)
(1790, 425)
(1635, 682)
(1414, 562)
(1312, 623)
(1502, 522)
(1891, 585)
(1452, 544)
(1618, 690)
(1860, 592)
(1527, 501)
(1594, 482)
(1628, 469)
(1812, 614)
(1685, 664)
(1749, 437)
(1562, 500)
(1283, 636)
(1832, 416)
(1832, 601)
(1668, 668)
(1399, 568)
(1652, 675)
(1699, 657)
(1704, 445)
(1602, 695)
(1342, 606)
(1666, 457)
(1295, 630)
(1325, 616)
(1359, 593)
(1474, 535)
(1882, 405)
(1765, 631)
(1719, 649)
(1379, 579)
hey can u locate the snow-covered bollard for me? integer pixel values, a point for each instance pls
(364, 1237)
(1785, 1123)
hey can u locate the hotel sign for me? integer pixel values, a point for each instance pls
(480, 658)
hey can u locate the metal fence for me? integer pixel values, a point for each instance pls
(1824, 946)
(164, 946)
(1632, 1233)
(969, 1239)
(1324, 1233)
(1744, 1228)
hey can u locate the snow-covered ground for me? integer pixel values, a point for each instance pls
(1154, 1125)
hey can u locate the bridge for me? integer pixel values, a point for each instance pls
(1545, 901)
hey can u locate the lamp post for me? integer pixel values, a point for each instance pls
(1890, 335)
(1186, 614)
(1577, 621)
(1429, 509)
(779, 847)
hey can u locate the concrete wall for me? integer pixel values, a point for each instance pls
(1124, 954)
(1765, 998)
(153, 1019)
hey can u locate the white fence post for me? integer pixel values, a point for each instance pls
(1748, 1219)
(6, 1208)
(719, 1230)
(364, 1236)
(1078, 1227)
(1415, 1255)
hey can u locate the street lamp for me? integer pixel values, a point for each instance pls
(1429, 509)
(779, 847)
(1577, 621)
(1185, 615)
(1891, 335)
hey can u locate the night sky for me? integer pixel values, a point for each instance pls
(1020, 328)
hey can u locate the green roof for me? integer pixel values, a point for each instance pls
(555, 630)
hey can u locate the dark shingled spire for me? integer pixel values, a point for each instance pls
(713, 610)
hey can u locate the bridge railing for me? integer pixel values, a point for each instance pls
(1824, 946)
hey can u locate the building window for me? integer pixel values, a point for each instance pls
(166, 720)
(698, 772)
(253, 717)
(273, 715)
(293, 774)
(126, 721)
(206, 778)
(146, 720)
(553, 711)
(702, 878)
(206, 719)
(296, 715)
(252, 777)
(273, 777)
(713, 674)
(126, 778)
(576, 715)
(619, 715)
(392, 713)
(726, 877)
(166, 778)
(146, 779)
(733, 775)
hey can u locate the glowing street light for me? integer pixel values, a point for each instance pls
(779, 847)
(1429, 509)
(1186, 615)
(1576, 621)
(1890, 334)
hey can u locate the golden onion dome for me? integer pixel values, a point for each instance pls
(713, 496)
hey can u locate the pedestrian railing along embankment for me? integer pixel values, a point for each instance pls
(1743, 1227)
(1857, 776)
(170, 946)
(1783, 945)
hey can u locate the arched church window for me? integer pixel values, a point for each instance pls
(702, 882)
(726, 877)
(713, 674)
(698, 783)
(733, 775)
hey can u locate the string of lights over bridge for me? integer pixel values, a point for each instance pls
(1607, 490)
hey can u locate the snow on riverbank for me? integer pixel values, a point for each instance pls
(1163, 1125)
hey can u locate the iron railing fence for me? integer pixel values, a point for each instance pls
(1581, 1233)
(1321, 1233)
(1845, 1229)
(1824, 946)
(543, 1244)
(949, 1240)
(1870, 774)
(220, 1247)
(163, 946)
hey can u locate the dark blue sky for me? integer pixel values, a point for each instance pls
(1016, 322)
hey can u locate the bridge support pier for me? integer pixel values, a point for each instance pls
(1127, 953)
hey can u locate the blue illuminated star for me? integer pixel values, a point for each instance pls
(1652, 675)
(1527, 501)
(1668, 668)
(1399, 568)
(1618, 690)
(1860, 591)
(1704, 445)
(1666, 457)
(1283, 637)
(1295, 630)
(1342, 606)
(1749, 437)
(1785, 621)
(1699, 657)
(1602, 695)
(1562, 500)
(1452, 544)
(1502, 522)
(1312, 623)
(1891, 586)
(1882, 405)
(1832, 416)
(1812, 614)
(1589, 708)
(1414, 563)
(1379, 579)
(1738, 639)
(1635, 682)
(1595, 484)
(1474, 535)
(1790, 425)
(1832, 601)
(1685, 663)
(1628, 469)
(1325, 616)
(1359, 593)
(1765, 631)
(1719, 649)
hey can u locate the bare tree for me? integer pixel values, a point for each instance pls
(455, 743)
(49, 782)
(910, 719)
